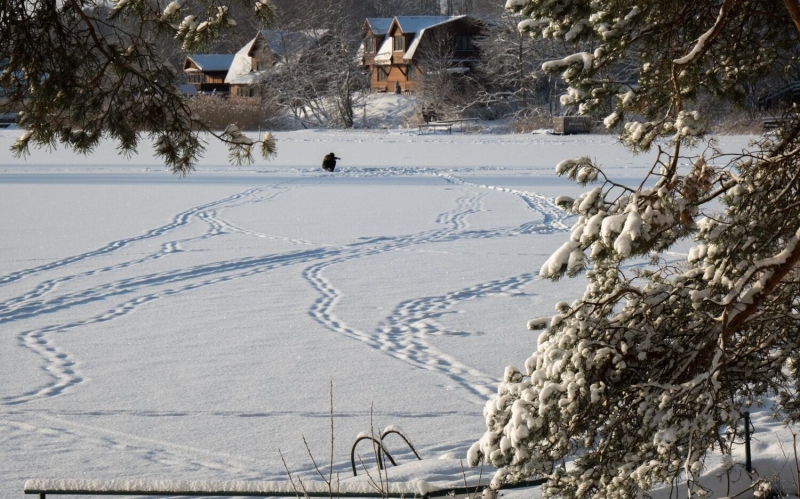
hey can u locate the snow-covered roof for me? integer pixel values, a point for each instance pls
(418, 25)
(286, 42)
(212, 62)
(410, 25)
(249, 78)
(380, 25)
(242, 65)
(415, 24)
(281, 43)
(384, 55)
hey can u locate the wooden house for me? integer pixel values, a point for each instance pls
(260, 55)
(397, 51)
(207, 72)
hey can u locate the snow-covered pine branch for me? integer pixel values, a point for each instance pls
(632, 382)
(102, 75)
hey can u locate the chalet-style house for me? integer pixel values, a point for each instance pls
(268, 49)
(395, 50)
(207, 72)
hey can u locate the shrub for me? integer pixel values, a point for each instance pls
(247, 113)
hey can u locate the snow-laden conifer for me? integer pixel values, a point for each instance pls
(631, 385)
(81, 70)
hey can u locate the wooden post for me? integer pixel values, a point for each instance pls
(748, 465)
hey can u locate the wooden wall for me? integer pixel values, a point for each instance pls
(396, 74)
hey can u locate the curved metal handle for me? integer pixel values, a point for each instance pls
(381, 449)
(390, 430)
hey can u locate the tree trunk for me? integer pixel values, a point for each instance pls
(793, 6)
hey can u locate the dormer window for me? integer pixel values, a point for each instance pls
(260, 61)
(369, 45)
(399, 43)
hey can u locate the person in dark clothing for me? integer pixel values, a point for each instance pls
(329, 162)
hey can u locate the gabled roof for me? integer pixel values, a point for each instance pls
(241, 65)
(281, 43)
(415, 24)
(379, 25)
(211, 62)
(410, 25)
(286, 42)
(419, 23)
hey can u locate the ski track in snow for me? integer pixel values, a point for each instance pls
(59, 365)
(553, 217)
(181, 220)
(159, 452)
(203, 212)
(426, 357)
(405, 331)
(402, 335)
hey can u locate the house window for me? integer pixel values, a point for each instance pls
(260, 63)
(398, 43)
(464, 43)
(369, 45)
(412, 73)
(382, 74)
(196, 78)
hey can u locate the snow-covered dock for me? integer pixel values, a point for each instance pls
(201, 488)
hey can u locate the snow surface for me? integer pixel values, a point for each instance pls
(158, 328)
(386, 110)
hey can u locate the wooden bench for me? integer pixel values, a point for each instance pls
(461, 121)
(773, 123)
(436, 126)
(202, 488)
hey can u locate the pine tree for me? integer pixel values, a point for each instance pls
(80, 70)
(633, 382)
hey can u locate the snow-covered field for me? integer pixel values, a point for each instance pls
(163, 328)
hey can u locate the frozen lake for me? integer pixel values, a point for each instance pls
(158, 327)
